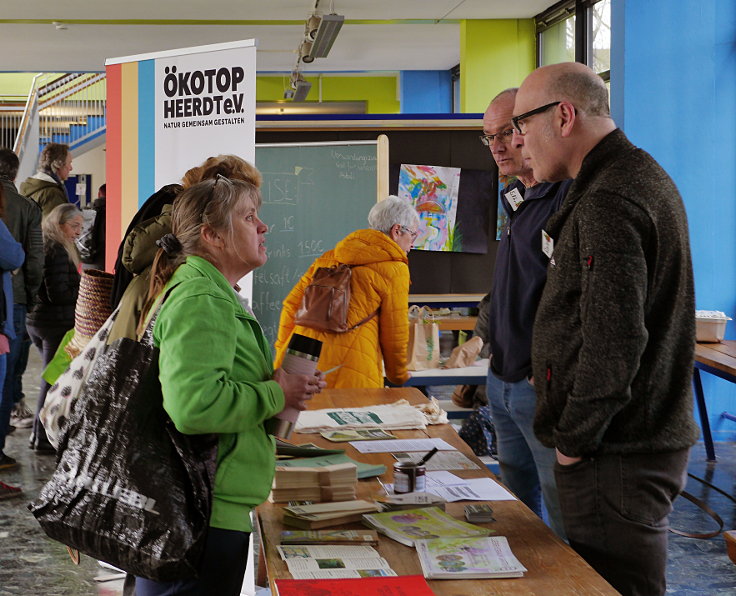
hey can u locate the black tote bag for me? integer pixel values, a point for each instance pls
(130, 489)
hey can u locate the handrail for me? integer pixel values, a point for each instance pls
(18, 147)
(72, 90)
(60, 82)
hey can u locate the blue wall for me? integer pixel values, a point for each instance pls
(673, 91)
(426, 92)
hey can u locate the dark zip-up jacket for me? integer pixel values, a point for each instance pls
(614, 335)
(23, 218)
(57, 296)
(518, 279)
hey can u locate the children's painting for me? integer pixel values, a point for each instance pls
(433, 191)
(452, 205)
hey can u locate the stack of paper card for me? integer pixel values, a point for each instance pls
(327, 483)
(323, 515)
(400, 502)
(479, 514)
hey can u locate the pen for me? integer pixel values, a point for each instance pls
(425, 459)
(333, 369)
(383, 486)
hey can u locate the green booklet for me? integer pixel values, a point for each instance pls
(364, 470)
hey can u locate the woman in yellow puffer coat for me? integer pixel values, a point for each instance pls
(379, 283)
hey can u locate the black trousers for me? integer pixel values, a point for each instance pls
(47, 340)
(221, 573)
(615, 510)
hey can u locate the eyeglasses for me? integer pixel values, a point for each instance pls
(410, 232)
(517, 120)
(217, 179)
(504, 136)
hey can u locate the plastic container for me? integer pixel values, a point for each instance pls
(710, 325)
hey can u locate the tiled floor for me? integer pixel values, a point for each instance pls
(33, 565)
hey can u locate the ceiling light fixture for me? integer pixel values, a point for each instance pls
(320, 32)
(298, 87)
(305, 52)
(302, 90)
(329, 27)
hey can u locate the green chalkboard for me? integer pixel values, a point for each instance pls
(313, 196)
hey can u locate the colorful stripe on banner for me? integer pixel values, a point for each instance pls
(130, 146)
(146, 130)
(113, 170)
(129, 141)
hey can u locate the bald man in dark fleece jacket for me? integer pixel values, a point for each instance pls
(614, 333)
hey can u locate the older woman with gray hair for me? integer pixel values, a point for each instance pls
(53, 314)
(46, 186)
(378, 328)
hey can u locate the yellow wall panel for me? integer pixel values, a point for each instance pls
(494, 55)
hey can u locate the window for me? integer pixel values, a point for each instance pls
(576, 30)
(455, 77)
(600, 38)
(556, 34)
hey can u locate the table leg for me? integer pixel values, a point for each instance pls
(710, 452)
(261, 570)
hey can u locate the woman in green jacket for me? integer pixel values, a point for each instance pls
(215, 366)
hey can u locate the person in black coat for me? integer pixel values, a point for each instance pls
(53, 314)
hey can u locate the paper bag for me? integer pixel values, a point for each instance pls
(424, 340)
(465, 354)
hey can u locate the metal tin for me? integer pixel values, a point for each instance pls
(409, 478)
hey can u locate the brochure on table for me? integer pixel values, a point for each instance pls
(468, 558)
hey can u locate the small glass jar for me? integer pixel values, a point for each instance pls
(409, 477)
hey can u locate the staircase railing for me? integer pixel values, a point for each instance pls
(72, 109)
(67, 108)
(11, 114)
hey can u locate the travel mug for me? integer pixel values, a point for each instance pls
(301, 358)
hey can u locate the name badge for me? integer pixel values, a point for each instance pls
(515, 198)
(548, 245)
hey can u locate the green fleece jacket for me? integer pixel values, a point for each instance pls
(614, 333)
(215, 371)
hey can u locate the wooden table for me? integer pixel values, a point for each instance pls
(467, 375)
(455, 323)
(717, 359)
(432, 377)
(554, 568)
